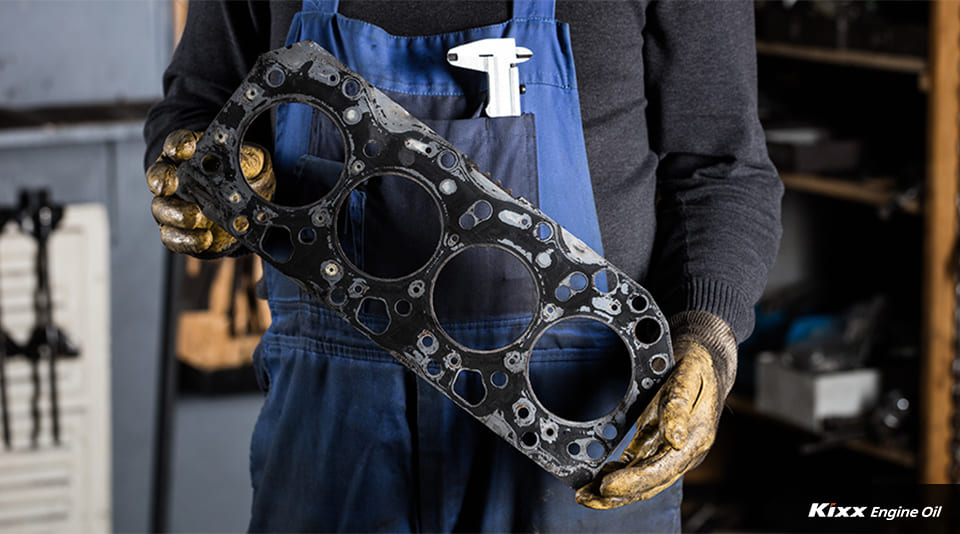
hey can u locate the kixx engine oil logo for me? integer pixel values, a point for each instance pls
(831, 510)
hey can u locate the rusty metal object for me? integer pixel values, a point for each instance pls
(474, 211)
(39, 217)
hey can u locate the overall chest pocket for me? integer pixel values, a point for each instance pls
(390, 226)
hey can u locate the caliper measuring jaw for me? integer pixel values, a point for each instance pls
(305, 73)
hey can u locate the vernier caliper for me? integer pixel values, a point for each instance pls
(498, 58)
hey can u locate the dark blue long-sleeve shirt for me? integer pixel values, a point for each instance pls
(688, 202)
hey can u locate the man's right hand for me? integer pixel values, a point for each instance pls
(183, 227)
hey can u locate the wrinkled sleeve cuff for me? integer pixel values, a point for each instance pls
(713, 296)
(716, 336)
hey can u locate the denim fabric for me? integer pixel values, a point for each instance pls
(348, 439)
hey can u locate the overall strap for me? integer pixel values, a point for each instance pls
(522, 9)
(534, 9)
(323, 6)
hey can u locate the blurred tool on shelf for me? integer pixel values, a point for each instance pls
(219, 325)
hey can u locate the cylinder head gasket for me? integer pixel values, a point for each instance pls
(381, 138)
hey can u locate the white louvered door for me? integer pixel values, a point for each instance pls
(66, 487)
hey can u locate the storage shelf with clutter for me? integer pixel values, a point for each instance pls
(861, 102)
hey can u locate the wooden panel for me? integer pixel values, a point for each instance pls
(854, 58)
(880, 192)
(940, 237)
(179, 18)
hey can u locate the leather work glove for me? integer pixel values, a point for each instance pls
(183, 227)
(678, 427)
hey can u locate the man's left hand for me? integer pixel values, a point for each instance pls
(675, 431)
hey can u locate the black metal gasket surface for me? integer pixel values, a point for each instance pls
(306, 73)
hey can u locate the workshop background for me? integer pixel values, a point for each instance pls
(849, 375)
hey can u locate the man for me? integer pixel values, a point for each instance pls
(668, 177)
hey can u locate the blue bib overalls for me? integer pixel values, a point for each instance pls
(347, 438)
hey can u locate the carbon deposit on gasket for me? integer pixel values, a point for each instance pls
(305, 73)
